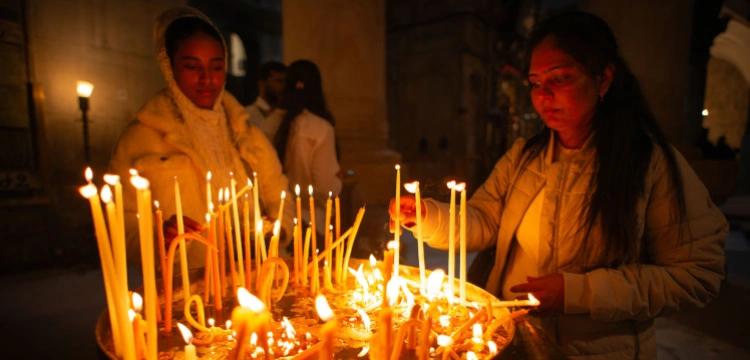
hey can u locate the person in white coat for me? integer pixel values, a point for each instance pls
(191, 127)
(306, 139)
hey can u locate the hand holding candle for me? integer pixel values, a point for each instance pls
(549, 289)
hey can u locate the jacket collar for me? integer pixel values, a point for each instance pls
(586, 152)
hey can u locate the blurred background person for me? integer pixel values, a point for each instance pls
(271, 78)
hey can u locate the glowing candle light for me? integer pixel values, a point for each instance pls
(137, 320)
(117, 229)
(188, 336)
(326, 333)
(532, 301)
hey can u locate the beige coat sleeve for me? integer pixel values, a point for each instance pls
(483, 210)
(683, 270)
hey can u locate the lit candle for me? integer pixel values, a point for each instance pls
(237, 237)
(462, 243)
(451, 242)
(251, 316)
(146, 231)
(117, 229)
(413, 188)
(328, 239)
(188, 336)
(183, 250)
(137, 320)
(116, 296)
(532, 301)
(314, 242)
(397, 235)
(281, 207)
(326, 333)
(273, 250)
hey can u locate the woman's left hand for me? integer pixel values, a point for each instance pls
(549, 290)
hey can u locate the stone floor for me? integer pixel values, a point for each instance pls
(51, 313)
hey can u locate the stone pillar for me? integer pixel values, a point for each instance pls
(346, 39)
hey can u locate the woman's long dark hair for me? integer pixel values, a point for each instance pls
(303, 89)
(624, 134)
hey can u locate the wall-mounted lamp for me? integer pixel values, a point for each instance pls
(84, 91)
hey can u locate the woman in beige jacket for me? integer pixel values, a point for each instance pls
(597, 216)
(193, 127)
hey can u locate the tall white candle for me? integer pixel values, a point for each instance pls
(146, 229)
(183, 250)
(462, 243)
(281, 206)
(451, 242)
(117, 232)
(237, 237)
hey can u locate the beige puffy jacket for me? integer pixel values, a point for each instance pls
(161, 146)
(609, 312)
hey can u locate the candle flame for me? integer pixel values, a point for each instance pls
(156, 203)
(492, 347)
(221, 196)
(249, 183)
(211, 206)
(231, 174)
(229, 324)
(451, 184)
(276, 228)
(249, 301)
(255, 174)
(137, 302)
(259, 226)
(133, 172)
(139, 182)
(88, 174)
(208, 217)
(187, 335)
(211, 322)
(290, 332)
(471, 356)
(295, 221)
(106, 194)
(330, 193)
(365, 319)
(111, 179)
(398, 167)
(533, 300)
(324, 310)
(412, 187)
(208, 176)
(460, 187)
(87, 191)
(704, 112)
(309, 190)
(444, 340)
(131, 315)
(283, 194)
(435, 282)
(393, 245)
(364, 351)
(477, 331)
(373, 262)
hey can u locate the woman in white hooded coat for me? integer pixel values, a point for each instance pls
(191, 127)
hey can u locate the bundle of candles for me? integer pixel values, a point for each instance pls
(281, 313)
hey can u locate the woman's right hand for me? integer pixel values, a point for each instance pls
(170, 228)
(407, 212)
